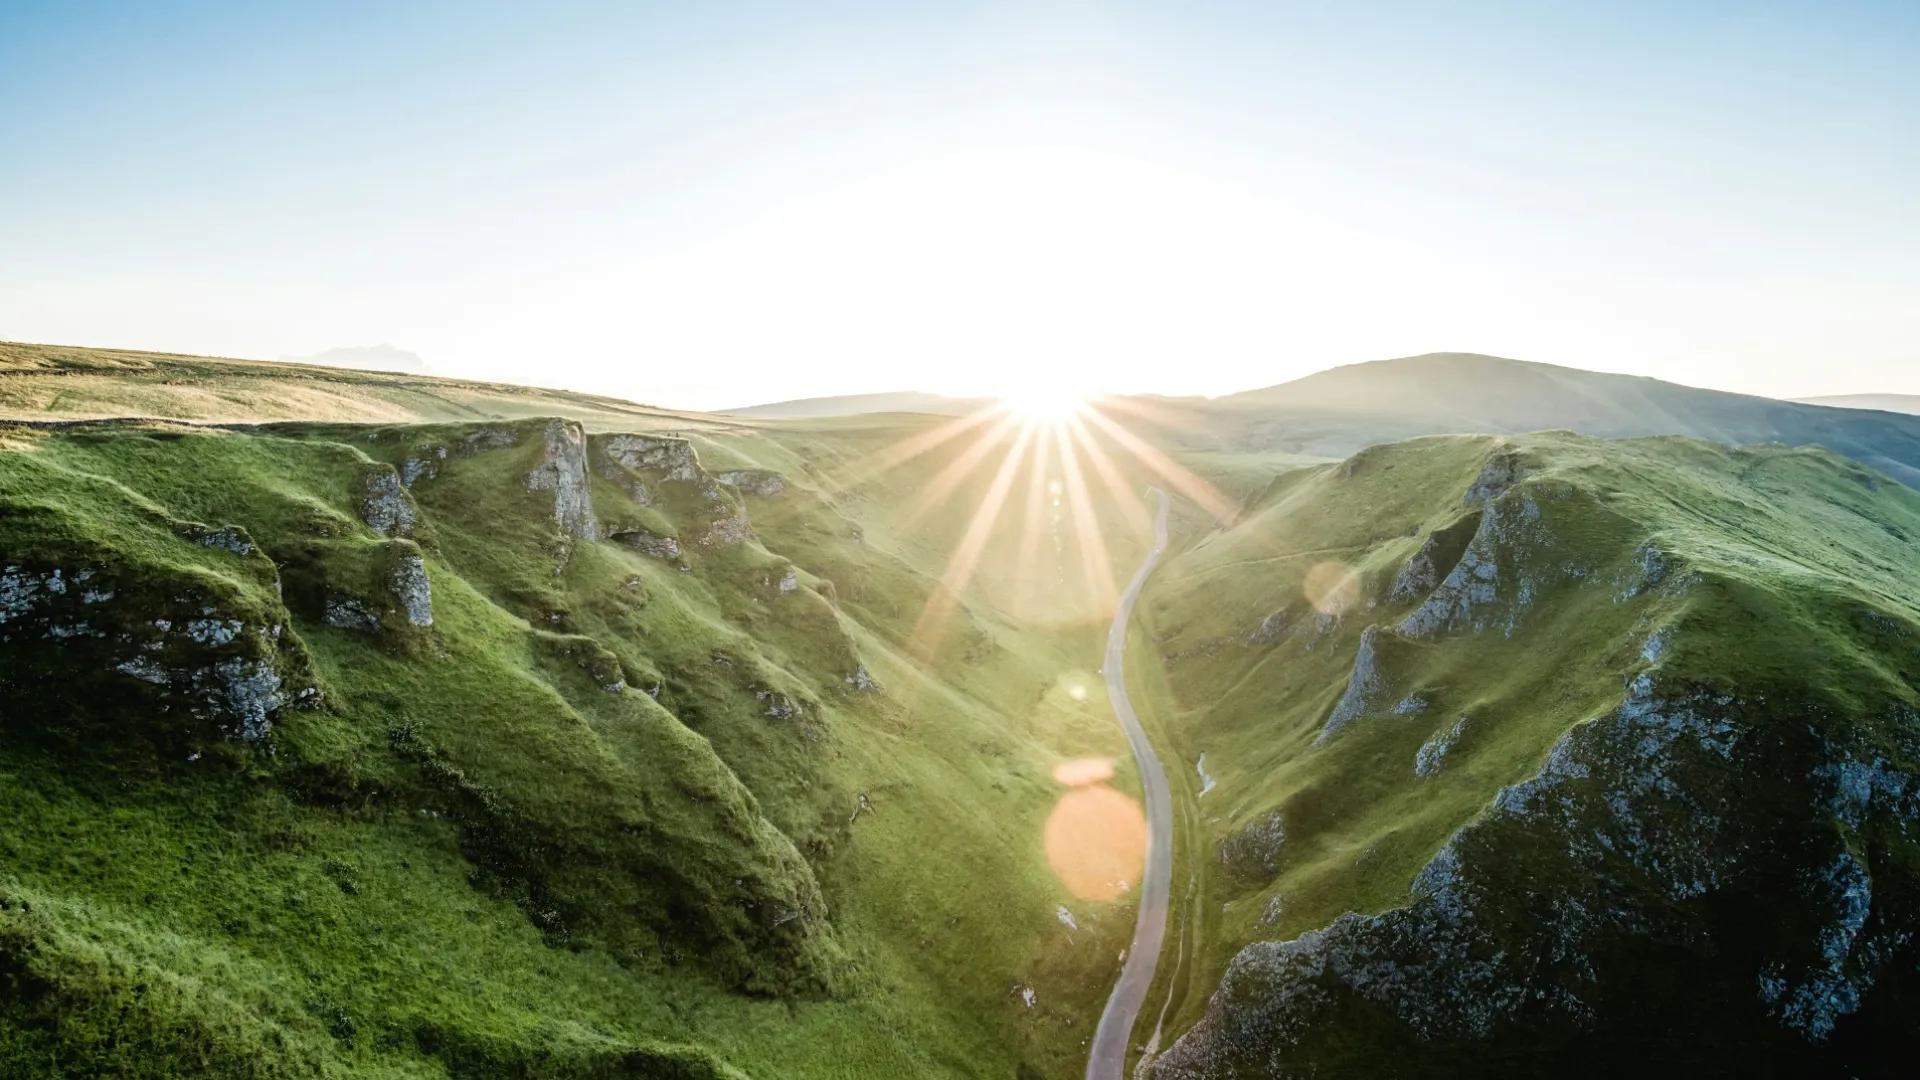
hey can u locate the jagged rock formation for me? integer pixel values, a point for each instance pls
(1253, 853)
(1270, 628)
(1499, 474)
(1363, 686)
(1652, 825)
(764, 482)
(660, 547)
(412, 589)
(563, 471)
(1432, 756)
(385, 507)
(194, 650)
(672, 458)
(861, 682)
(231, 538)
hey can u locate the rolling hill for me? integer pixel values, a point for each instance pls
(860, 405)
(1338, 411)
(58, 382)
(1900, 403)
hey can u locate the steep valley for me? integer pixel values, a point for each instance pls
(368, 724)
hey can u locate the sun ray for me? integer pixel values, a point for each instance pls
(897, 454)
(1131, 505)
(945, 598)
(1031, 528)
(1177, 416)
(1096, 564)
(1180, 478)
(957, 470)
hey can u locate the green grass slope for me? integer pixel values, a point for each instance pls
(1550, 753)
(510, 749)
(54, 382)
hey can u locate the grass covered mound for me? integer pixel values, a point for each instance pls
(1546, 750)
(506, 749)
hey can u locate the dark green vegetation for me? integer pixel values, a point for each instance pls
(508, 750)
(1636, 720)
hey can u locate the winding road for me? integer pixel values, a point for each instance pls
(1107, 1060)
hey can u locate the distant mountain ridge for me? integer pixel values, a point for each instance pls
(903, 401)
(1338, 411)
(1901, 403)
(367, 358)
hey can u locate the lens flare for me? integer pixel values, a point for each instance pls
(1332, 587)
(1096, 842)
(1079, 772)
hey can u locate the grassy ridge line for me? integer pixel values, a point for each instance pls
(46, 381)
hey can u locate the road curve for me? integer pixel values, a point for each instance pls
(1107, 1060)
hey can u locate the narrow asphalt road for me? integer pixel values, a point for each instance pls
(1108, 1058)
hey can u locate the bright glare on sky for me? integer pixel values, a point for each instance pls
(706, 205)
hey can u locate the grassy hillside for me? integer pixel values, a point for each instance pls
(1545, 750)
(54, 382)
(861, 405)
(513, 749)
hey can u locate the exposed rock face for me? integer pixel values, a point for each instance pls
(660, 547)
(231, 538)
(1432, 755)
(753, 481)
(408, 600)
(789, 581)
(384, 505)
(861, 682)
(673, 459)
(1697, 834)
(779, 706)
(1654, 566)
(426, 467)
(347, 613)
(730, 530)
(1364, 686)
(1269, 629)
(412, 589)
(200, 658)
(1501, 471)
(1419, 576)
(1253, 853)
(496, 438)
(563, 471)
(1275, 910)
(1510, 560)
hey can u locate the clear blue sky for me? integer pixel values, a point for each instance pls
(708, 204)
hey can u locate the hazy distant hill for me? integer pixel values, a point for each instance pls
(860, 404)
(65, 382)
(366, 358)
(1902, 403)
(1338, 411)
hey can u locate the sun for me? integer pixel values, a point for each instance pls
(1045, 406)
